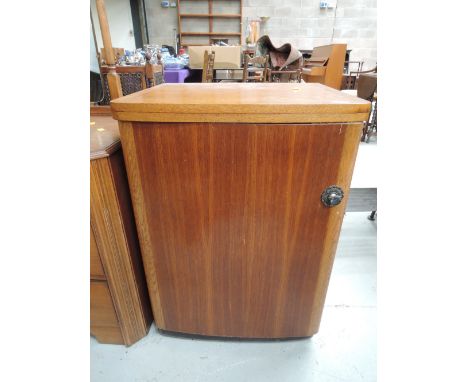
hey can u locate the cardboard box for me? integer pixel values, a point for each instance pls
(226, 57)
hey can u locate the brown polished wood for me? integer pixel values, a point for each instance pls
(97, 271)
(113, 79)
(235, 239)
(208, 66)
(115, 252)
(104, 323)
(246, 102)
(332, 58)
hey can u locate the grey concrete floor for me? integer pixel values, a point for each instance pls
(344, 349)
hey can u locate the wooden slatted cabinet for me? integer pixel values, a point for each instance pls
(120, 310)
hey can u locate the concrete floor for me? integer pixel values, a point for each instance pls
(344, 349)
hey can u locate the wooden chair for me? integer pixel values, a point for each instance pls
(133, 79)
(367, 89)
(259, 64)
(208, 65)
(350, 80)
(284, 75)
(118, 52)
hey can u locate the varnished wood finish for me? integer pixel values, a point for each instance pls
(240, 102)
(115, 87)
(105, 137)
(102, 307)
(100, 110)
(115, 234)
(208, 64)
(332, 74)
(96, 269)
(235, 239)
(104, 323)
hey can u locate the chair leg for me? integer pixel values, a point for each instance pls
(364, 131)
(372, 215)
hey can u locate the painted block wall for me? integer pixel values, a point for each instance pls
(300, 22)
(304, 24)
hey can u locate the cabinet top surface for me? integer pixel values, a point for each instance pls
(105, 137)
(211, 102)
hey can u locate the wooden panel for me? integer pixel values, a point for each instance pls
(333, 71)
(107, 335)
(96, 270)
(119, 252)
(104, 324)
(246, 118)
(213, 100)
(104, 136)
(119, 176)
(101, 110)
(102, 307)
(235, 239)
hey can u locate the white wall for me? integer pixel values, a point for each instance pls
(119, 17)
(93, 62)
(304, 24)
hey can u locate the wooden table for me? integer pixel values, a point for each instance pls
(236, 189)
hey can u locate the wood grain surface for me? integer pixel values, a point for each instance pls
(240, 102)
(118, 251)
(104, 323)
(104, 136)
(116, 243)
(235, 239)
(95, 265)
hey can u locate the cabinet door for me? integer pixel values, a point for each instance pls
(236, 239)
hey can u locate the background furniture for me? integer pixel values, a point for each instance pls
(208, 65)
(118, 52)
(175, 75)
(258, 67)
(120, 311)
(133, 78)
(329, 70)
(218, 23)
(237, 201)
(227, 57)
(284, 75)
(365, 87)
(349, 81)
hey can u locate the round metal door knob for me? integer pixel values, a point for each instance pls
(332, 196)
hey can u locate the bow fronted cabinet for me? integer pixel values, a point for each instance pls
(239, 192)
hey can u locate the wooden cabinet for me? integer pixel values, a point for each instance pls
(120, 311)
(236, 190)
(326, 65)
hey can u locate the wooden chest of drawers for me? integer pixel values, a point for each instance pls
(120, 311)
